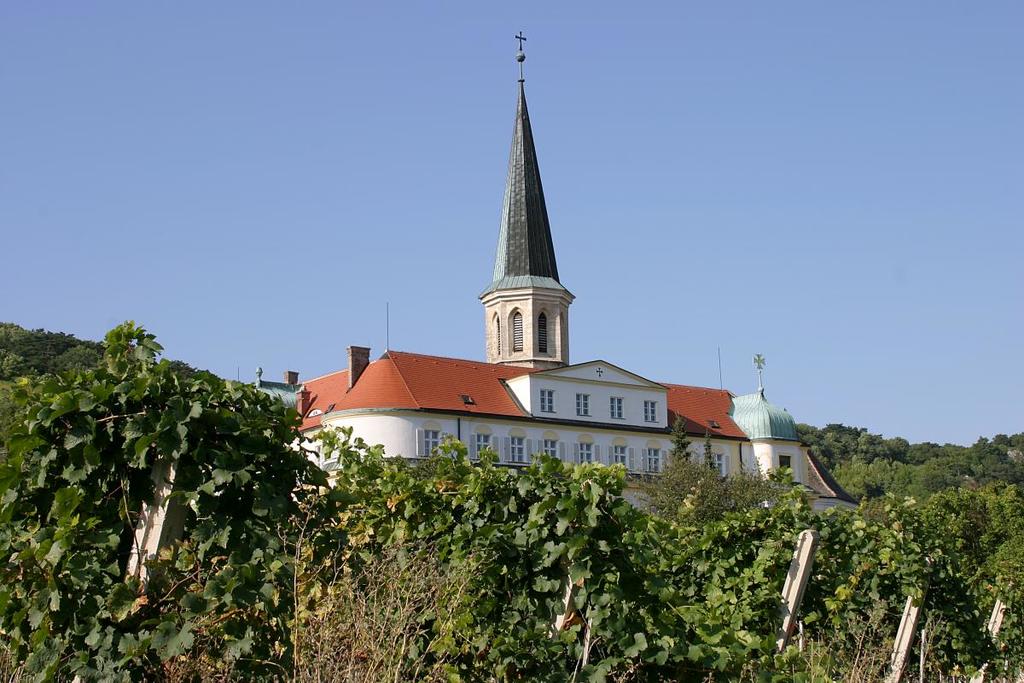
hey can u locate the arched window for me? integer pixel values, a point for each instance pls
(542, 333)
(517, 331)
(497, 332)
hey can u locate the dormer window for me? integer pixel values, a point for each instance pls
(316, 412)
(650, 411)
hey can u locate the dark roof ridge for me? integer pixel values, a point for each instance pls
(468, 361)
(696, 386)
(323, 376)
(831, 485)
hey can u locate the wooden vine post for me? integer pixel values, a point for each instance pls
(905, 635)
(570, 616)
(161, 521)
(796, 581)
(995, 622)
(904, 640)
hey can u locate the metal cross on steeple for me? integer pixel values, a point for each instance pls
(520, 56)
(759, 364)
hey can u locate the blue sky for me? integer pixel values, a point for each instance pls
(839, 186)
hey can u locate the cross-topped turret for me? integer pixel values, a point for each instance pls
(527, 307)
(759, 364)
(520, 56)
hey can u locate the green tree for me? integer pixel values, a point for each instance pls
(38, 352)
(8, 414)
(77, 358)
(78, 473)
(688, 492)
(680, 440)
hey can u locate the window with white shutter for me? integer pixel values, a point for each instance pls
(652, 460)
(517, 449)
(431, 440)
(482, 441)
(618, 455)
(583, 405)
(615, 407)
(547, 400)
(551, 447)
(586, 452)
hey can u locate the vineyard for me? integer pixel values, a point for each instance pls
(450, 570)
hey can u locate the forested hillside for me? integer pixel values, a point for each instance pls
(869, 466)
(33, 353)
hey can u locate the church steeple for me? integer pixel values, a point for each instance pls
(525, 249)
(527, 308)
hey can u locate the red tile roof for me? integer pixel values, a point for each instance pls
(702, 408)
(323, 391)
(416, 381)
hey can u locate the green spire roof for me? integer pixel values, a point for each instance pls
(760, 419)
(526, 255)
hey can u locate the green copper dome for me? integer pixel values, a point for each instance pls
(759, 419)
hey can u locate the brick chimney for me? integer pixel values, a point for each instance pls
(291, 377)
(302, 400)
(358, 359)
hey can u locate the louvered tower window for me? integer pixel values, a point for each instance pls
(542, 333)
(497, 332)
(517, 331)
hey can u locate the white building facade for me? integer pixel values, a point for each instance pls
(527, 398)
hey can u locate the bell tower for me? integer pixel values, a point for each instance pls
(526, 308)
